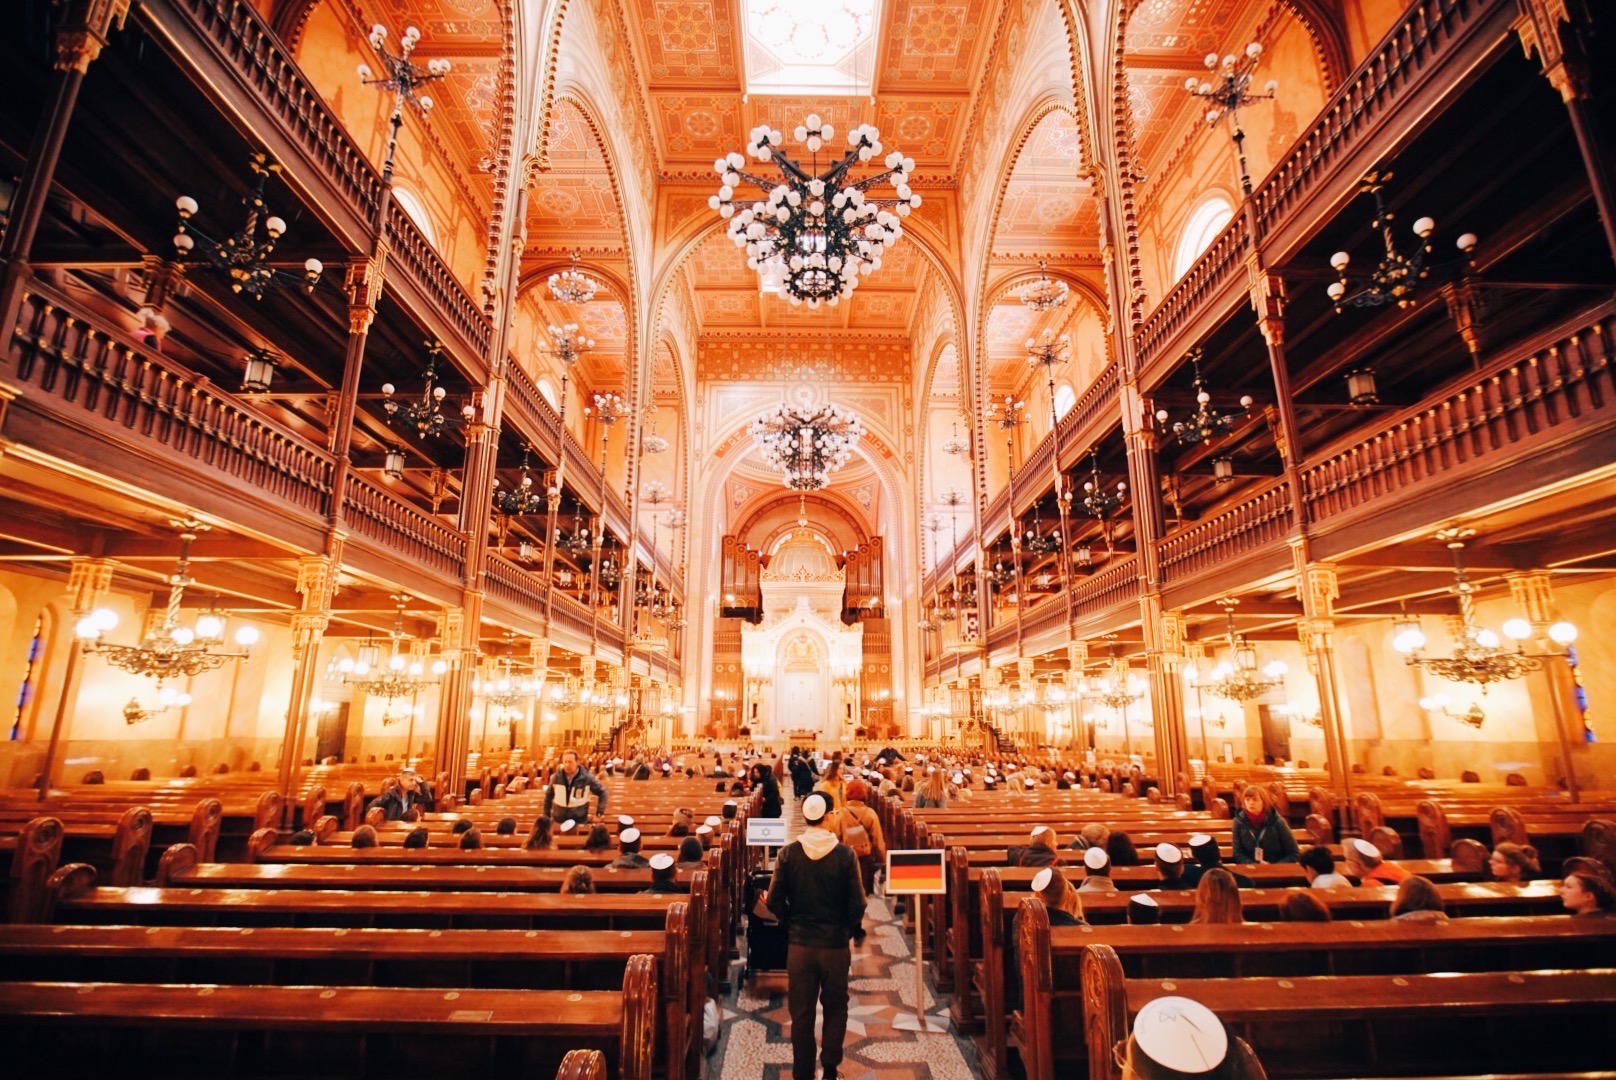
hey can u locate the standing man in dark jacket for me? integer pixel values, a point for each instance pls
(816, 894)
(763, 780)
(567, 796)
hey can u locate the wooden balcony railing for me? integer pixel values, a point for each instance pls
(1097, 405)
(1116, 585)
(254, 56)
(515, 586)
(1258, 520)
(89, 376)
(259, 75)
(1361, 121)
(1514, 405)
(410, 253)
(400, 528)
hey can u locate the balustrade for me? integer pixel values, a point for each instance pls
(1258, 520)
(1096, 405)
(410, 254)
(400, 528)
(1515, 405)
(1112, 587)
(85, 374)
(1364, 119)
(514, 586)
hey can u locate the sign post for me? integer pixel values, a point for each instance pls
(919, 874)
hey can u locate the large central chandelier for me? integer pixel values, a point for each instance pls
(806, 446)
(816, 232)
(573, 286)
(1479, 654)
(168, 649)
(1046, 293)
(1240, 679)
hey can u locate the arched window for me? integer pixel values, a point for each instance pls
(1065, 398)
(547, 392)
(417, 210)
(1205, 222)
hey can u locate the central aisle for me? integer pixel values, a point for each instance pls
(756, 1035)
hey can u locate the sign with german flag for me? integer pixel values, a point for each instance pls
(916, 873)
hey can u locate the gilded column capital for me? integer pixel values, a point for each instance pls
(1538, 27)
(1318, 587)
(1533, 593)
(450, 629)
(316, 582)
(308, 627)
(1266, 290)
(88, 581)
(84, 31)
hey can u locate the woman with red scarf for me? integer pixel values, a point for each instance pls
(1260, 834)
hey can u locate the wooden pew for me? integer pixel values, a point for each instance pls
(98, 1029)
(489, 959)
(1052, 994)
(1377, 1025)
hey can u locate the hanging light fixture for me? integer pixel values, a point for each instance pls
(956, 444)
(169, 650)
(1396, 279)
(1361, 386)
(568, 344)
(815, 232)
(402, 675)
(403, 78)
(259, 372)
(1239, 678)
(425, 416)
(806, 446)
(167, 698)
(523, 498)
(1222, 470)
(242, 258)
(577, 540)
(1205, 422)
(1226, 91)
(573, 286)
(1045, 294)
(1480, 656)
(651, 442)
(393, 463)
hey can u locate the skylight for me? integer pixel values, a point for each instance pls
(809, 46)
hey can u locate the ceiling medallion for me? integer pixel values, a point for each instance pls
(816, 232)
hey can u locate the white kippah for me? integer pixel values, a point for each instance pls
(1096, 859)
(1364, 848)
(1143, 900)
(714, 820)
(1068, 776)
(1169, 853)
(1039, 830)
(1200, 839)
(661, 861)
(1031, 783)
(1180, 1035)
(569, 825)
(629, 836)
(1041, 880)
(730, 802)
(814, 808)
(959, 778)
(704, 830)
(624, 820)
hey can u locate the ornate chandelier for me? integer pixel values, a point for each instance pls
(568, 343)
(425, 416)
(573, 286)
(816, 232)
(522, 499)
(504, 687)
(243, 258)
(1479, 655)
(956, 444)
(1241, 680)
(1045, 294)
(807, 447)
(169, 650)
(401, 675)
(1116, 690)
(1397, 277)
(1227, 92)
(1205, 422)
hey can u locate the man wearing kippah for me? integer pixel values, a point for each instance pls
(818, 897)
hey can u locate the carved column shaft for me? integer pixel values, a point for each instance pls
(316, 582)
(80, 37)
(1318, 587)
(363, 283)
(1164, 659)
(88, 580)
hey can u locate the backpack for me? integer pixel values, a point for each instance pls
(856, 837)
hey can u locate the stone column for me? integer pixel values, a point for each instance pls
(316, 581)
(88, 580)
(1164, 660)
(81, 34)
(1318, 587)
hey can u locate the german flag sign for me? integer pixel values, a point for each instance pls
(916, 873)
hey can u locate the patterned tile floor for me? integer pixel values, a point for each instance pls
(756, 1029)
